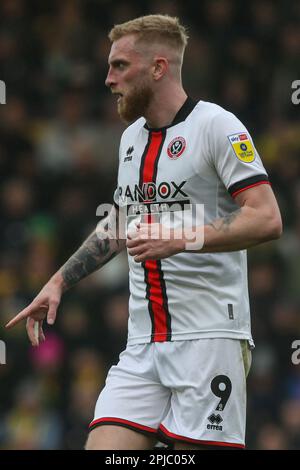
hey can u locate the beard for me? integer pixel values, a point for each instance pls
(135, 104)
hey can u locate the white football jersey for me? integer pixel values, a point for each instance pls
(206, 156)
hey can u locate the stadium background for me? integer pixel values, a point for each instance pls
(59, 135)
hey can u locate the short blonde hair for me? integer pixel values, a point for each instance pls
(153, 28)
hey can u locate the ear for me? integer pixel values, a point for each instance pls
(160, 67)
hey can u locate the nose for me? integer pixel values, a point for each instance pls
(109, 79)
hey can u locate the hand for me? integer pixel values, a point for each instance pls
(152, 241)
(43, 306)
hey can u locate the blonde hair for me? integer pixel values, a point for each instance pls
(153, 28)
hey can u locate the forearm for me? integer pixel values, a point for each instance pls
(92, 255)
(99, 248)
(239, 230)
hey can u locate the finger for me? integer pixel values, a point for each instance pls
(30, 328)
(140, 258)
(130, 243)
(52, 312)
(23, 314)
(41, 332)
(136, 250)
(36, 332)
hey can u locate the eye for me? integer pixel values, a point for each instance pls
(119, 64)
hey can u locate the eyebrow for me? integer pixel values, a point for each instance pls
(115, 62)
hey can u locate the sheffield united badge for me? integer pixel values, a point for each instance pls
(176, 147)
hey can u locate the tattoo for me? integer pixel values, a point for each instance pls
(94, 253)
(224, 223)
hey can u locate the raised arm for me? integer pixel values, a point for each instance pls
(99, 248)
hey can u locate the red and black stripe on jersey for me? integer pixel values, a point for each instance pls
(156, 292)
(247, 183)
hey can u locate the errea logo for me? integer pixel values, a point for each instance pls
(215, 421)
(129, 155)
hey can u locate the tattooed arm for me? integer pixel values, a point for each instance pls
(99, 248)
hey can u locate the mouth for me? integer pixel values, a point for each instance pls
(119, 96)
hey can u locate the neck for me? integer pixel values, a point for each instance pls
(164, 107)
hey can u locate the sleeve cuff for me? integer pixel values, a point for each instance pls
(247, 183)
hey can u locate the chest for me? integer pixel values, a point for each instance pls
(159, 165)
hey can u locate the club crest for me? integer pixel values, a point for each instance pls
(176, 147)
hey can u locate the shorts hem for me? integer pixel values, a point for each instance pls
(196, 335)
(166, 436)
(124, 423)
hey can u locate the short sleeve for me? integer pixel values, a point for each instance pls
(234, 155)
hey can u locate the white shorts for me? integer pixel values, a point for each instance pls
(192, 391)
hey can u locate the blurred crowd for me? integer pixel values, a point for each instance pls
(59, 134)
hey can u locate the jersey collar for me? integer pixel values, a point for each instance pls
(181, 115)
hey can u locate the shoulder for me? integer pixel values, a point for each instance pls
(133, 128)
(212, 113)
(217, 123)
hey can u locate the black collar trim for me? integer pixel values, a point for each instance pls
(181, 115)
